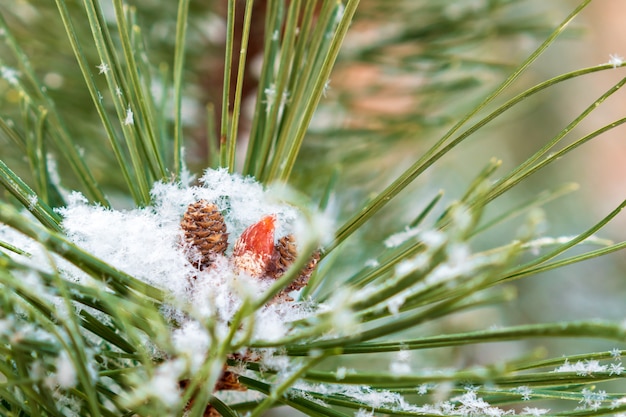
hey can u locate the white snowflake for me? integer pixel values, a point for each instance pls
(399, 238)
(615, 60)
(616, 369)
(103, 68)
(9, 74)
(129, 120)
(524, 391)
(586, 368)
(592, 399)
(535, 412)
(423, 389)
(472, 405)
(65, 375)
(326, 87)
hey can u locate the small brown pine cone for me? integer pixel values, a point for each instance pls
(283, 257)
(205, 231)
(305, 274)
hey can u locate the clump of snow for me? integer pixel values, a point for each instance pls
(401, 365)
(616, 60)
(399, 238)
(146, 243)
(582, 368)
(535, 412)
(163, 385)
(470, 404)
(592, 399)
(66, 373)
(525, 391)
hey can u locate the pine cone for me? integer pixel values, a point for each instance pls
(305, 274)
(253, 250)
(284, 255)
(205, 231)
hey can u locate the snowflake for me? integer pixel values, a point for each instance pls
(524, 391)
(65, 375)
(615, 60)
(326, 87)
(616, 369)
(270, 97)
(592, 399)
(129, 120)
(103, 68)
(472, 405)
(399, 238)
(9, 74)
(422, 389)
(533, 411)
(586, 368)
(615, 353)
(618, 403)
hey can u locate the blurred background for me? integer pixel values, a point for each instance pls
(408, 71)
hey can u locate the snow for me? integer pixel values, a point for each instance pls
(65, 371)
(582, 368)
(397, 239)
(146, 243)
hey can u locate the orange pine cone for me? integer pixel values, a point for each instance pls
(253, 250)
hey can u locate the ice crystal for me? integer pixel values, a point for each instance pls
(65, 376)
(616, 368)
(395, 303)
(618, 402)
(372, 263)
(615, 60)
(615, 353)
(470, 404)
(422, 389)
(397, 239)
(535, 412)
(592, 399)
(9, 74)
(401, 365)
(582, 368)
(524, 391)
(103, 68)
(162, 386)
(407, 266)
(129, 119)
